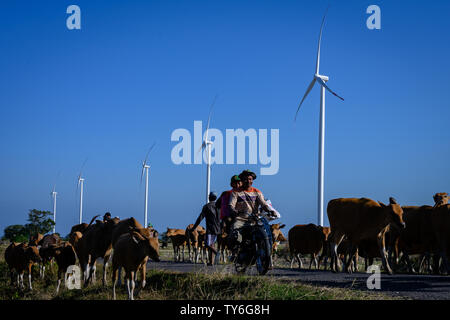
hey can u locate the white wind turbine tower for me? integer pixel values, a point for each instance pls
(321, 79)
(145, 168)
(207, 144)
(53, 194)
(81, 184)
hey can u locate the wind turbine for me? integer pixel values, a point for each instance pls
(145, 168)
(207, 144)
(53, 194)
(321, 79)
(81, 184)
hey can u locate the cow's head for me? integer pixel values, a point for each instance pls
(75, 237)
(326, 232)
(153, 232)
(277, 235)
(394, 213)
(143, 236)
(440, 199)
(35, 239)
(32, 254)
(170, 232)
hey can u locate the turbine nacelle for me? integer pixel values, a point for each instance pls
(324, 78)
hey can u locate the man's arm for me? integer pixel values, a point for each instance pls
(232, 205)
(199, 219)
(263, 202)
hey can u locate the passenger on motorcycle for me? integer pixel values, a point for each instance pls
(243, 202)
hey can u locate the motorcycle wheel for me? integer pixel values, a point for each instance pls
(240, 264)
(262, 256)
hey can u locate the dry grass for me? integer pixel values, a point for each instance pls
(162, 285)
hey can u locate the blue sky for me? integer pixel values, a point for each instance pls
(137, 70)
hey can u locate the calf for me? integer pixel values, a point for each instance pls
(178, 239)
(97, 241)
(21, 257)
(80, 245)
(131, 251)
(306, 239)
(64, 254)
(277, 238)
(195, 239)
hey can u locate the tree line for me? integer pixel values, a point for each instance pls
(38, 222)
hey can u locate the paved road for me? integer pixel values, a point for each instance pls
(410, 286)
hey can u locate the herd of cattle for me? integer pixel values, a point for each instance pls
(131, 243)
(358, 228)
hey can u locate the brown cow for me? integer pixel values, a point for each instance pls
(178, 239)
(46, 255)
(97, 241)
(277, 237)
(342, 252)
(361, 219)
(80, 246)
(440, 218)
(417, 238)
(131, 251)
(196, 239)
(222, 240)
(440, 198)
(21, 257)
(123, 227)
(64, 254)
(306, 239)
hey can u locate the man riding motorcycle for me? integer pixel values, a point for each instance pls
(243, 202)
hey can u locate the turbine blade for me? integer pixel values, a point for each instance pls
(311, 85)
(320, 38)
(142, 173)
(148, 152)
(81, 170)
(321, 82)
(201, 147)
(209, 116)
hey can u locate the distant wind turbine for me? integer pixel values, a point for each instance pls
(145, 168)
(207, 144)
(321, 79)
(53, 194)
(81, 184)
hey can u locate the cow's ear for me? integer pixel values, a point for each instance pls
(392, 200)
(382, 204)
(282, 226)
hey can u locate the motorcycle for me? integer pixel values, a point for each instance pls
(256, 245)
